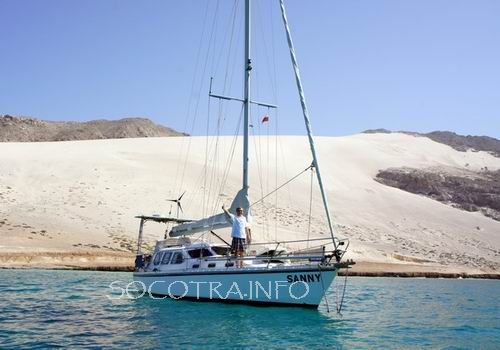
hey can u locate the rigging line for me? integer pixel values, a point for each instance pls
(214, 171)
(262, 177)
(258, 151)
(216, 204)
(306, 250)
(198, 194)
(232, 26)
(232, 149)
(337, 292)
(268, 175)
(225, 176)
(282, 185)
(232, 152)
(258, 156)
(206, 159)
(273, 46)
(285, 168)
(199, 92)
(212, 168)
(307, 123)
(294, 241)
(213, 162)
(230, 48)
(232, 69)
(228, 76)
(276, 178)
(215, 39)
(324, 290)
(266, 55)
(235, 62)
(229, 162)
(195, 75)
(310, 206)
(200, 179)
(230, 52)
(213, 142)
(343, 291)
(276, 113)
(230, 159)
(233, 17)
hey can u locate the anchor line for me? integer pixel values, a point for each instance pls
(324, 291)
(339, 306)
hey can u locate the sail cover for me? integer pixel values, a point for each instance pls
(216, 221)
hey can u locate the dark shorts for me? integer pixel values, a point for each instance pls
(238, 245)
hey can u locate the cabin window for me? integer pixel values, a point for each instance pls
(157, 258)
(221, 250)
(177, 258)
(166, 258)
(199, 253)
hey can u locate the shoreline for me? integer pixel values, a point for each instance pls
(123, 262)
(439, 275)
(400, 274)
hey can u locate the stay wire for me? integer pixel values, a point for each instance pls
(214, 22)
(193, 83)
(310, 206)
(282, 185)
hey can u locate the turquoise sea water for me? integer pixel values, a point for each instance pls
(42, 309)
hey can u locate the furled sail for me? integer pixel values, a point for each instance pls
(216, 221)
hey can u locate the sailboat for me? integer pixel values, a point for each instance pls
(182, 268)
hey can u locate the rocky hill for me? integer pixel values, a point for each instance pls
(474, 190)
(27, 129)
(468, 190)
(459, 142)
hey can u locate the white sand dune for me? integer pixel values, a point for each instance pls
(83, 195)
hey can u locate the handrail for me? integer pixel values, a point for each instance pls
(281, 257)
(295, 241)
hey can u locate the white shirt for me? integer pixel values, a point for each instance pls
(239, 225)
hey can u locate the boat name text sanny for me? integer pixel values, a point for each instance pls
(304, 278)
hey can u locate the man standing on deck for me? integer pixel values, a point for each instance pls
(240, 233)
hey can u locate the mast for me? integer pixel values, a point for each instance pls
(305, 112)
(246, 98)
(241, 198)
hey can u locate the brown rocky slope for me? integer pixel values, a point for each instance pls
(27, 129)
(468, 190)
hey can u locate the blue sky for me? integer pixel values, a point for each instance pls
(403, 65)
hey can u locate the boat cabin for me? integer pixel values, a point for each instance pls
(181, 254)
(191, 256)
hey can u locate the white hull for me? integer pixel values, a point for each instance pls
(284, 285)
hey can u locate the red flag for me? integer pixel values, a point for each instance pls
(265, 119)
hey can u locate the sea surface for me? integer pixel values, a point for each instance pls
(73, 309)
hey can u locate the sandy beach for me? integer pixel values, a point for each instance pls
(72, 204)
